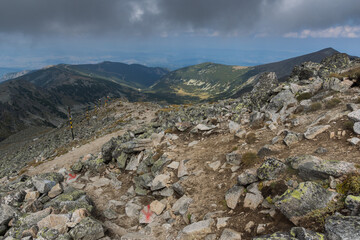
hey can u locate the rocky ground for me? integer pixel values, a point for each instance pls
(282, 162)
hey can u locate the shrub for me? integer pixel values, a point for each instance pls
(348, 125)
(250, 138)
(249, 159)
(315, 106)
(350, 185)
(304, 96)
(332, 103)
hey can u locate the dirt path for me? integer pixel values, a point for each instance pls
(142, 114)
(66, 160)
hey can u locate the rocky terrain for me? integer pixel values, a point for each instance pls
(280, 162)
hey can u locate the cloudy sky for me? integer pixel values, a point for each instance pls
(173, 33)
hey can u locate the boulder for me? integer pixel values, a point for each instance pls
(247, 177)
(276, 236)
(304, 234)
(355, 116)
(135, 146)
(270, 169)
(182, 204)
(312, 132)
(356, 127)
(87, 229)
(291, 139)
(339, 227)
(160, 182)
(6, 214)
(233, 158)
(253, 197)
(308, 196)
(197, 229)
(44, 182)
(232, 196)
(229, 234)
(312, 168)
(234, 127)
(54, 221)
(353, 204)
(107, 150)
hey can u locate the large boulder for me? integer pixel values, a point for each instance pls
(6, 214)
(262, 90)
(282, 99)
(308, 196)
(87, 229)
(270, 169)
(45, 182)
(339, 227)
(312, 168)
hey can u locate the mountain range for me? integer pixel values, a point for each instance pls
(41, 97)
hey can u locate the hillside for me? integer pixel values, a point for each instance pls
(12, 75)
(201, 82)
(230, 169)
(134, 75)
(284, 68)
(211, 81)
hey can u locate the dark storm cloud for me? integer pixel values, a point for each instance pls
(155, 17)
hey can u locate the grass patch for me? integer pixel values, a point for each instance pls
(249, 159)
(332, 103)
(304, 96)
(315, 107)
(250, 138)
(348, 125)
(350, 185)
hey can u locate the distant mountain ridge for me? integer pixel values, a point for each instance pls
(211, 81)
(13, 75)
(41, 97)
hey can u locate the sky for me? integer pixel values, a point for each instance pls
(173, 33)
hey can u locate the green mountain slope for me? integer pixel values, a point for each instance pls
(203, 81)
(211, 81)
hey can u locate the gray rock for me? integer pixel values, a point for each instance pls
(352, 107)
(291, 139)
(178, 188)
(312, 132)
(304, 234)
(234, 127)
(356, 127)
(198, 228)
(6, 214)
(232, 196)
(321, 150)
(265, 151)
(77, 167)
(135, 146)
(134, 162)
(355, 116)
(121, 159)
(229, 234)
(132, 210)
(353, 204)
(107, 150)
(282, 99)
(233, 158)
(276, 236)
(308, 196)
(44, 182)
(253, 197)
(137, 236)
(270, 169)
(264, 85)
(247, 177)
(182, 204)
(182, 171)
(354, 140)
(160, 182)
(338, 227)
(312, 168)
(87, 229)
(257, 118)
(159, 165)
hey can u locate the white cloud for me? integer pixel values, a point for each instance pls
(331, 32)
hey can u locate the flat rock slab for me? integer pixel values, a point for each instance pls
(355, 116)
(313, 168)
(229, 234)
(232, 196)
(342, 227)
(312, 132)
(198, 228)
(253, 197)
(182, 204)
(270, 169)
(308, 196)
